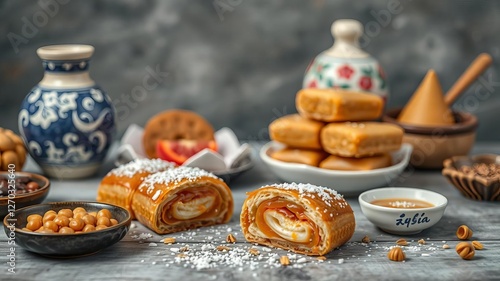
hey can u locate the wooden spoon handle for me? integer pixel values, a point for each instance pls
(477, 67)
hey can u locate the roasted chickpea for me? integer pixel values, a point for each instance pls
(79, 215)
(93, 214)
(66, 212)
(103, 221)
(113, 221)
(76, 224)
(50, 211)
(51, 225)
(79, 209)
(88, 228)
(104, 213)
(34, 217)
(45, 230)
(49, 217)
(66, 230)
(34, 225)
(26, 229)
(88, 219)
(99, 227)
(40, 229)
(61, 220)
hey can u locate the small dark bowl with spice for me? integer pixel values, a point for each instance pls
(21, 189)
(476, 177)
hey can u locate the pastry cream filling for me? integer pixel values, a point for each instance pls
(279, 218)
(192, 209)
(289, 229)
(193, 203)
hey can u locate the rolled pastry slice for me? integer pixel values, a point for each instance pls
(181, 199)
(119, 185)
(303, 218)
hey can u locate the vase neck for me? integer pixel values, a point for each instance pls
(65, 66)
(64, 80)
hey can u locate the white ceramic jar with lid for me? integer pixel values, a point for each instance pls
(345, 65)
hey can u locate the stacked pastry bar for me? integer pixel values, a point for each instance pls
(335, 130)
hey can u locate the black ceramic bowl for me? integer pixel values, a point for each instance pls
(67, 245)
(26, 199)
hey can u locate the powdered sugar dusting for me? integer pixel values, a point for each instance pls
(141, 166)
(306, 189)
(175, 175)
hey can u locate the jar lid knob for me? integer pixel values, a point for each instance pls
(346, 33)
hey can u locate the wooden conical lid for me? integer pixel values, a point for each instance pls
(427, 106)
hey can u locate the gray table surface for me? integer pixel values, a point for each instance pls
(134, 258)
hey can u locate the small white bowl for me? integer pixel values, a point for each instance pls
(348, 183)
(399, 220)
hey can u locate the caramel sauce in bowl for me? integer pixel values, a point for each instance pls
(402, 210)
(402, 203)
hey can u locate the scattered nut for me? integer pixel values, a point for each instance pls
(366, 239)
(181, 255)
(464, 232)
(254, 252)
(284, 260)
(401, 242)
(169, 240)
(477, 245)
(230, 238)
(223, 248)
(465, 250)
(396, 254)
(446, 246)
(421, 242)
(184, 249)
(321, 258)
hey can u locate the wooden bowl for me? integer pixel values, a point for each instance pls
(473, 186)
(432, 145)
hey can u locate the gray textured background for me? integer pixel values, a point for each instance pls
(239, 63)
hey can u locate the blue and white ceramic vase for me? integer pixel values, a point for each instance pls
(67, 122)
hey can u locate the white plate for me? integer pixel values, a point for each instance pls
(348, 183)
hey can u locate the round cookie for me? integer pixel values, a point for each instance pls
(175, 125)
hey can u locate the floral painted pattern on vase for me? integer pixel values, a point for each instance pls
(354, 74)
